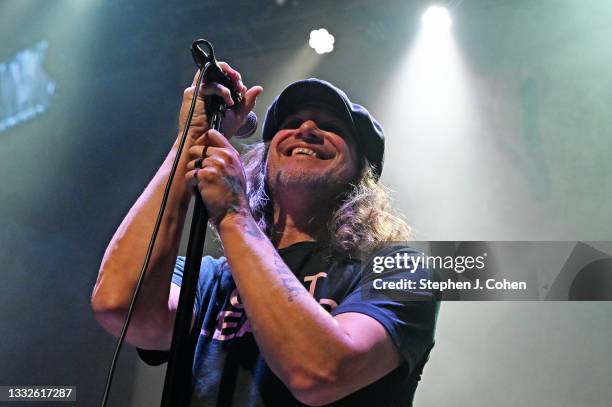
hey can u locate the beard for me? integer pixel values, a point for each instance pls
(326, 184)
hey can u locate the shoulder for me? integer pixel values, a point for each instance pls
(396, 258)
(392, 248)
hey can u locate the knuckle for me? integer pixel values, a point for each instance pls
(200, 139)
(209, 174)
(225, 154)
(220, 162)
(231, 155)
(212, 162)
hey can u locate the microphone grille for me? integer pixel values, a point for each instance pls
(248, 128)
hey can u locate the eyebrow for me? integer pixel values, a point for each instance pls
(328, 119)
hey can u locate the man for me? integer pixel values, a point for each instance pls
(291, 319)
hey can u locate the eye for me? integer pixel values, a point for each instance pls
(337, 128)
(292, 124)
(331, 127)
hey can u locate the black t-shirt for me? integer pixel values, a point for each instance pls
(228, 368)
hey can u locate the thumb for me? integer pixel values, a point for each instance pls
(250, 97)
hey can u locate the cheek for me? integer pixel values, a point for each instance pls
(273, 153)
(352, 158)
(275, 144)
(353, 169)
(270, 163)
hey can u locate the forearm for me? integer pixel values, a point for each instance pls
(124, 256)
(300, 341)
(123, 259)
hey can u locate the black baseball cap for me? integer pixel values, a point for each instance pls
(367, 131)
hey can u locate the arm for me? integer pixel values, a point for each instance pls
(319, 357)
(152, 320)
(151, 325)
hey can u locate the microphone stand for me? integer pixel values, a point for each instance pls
(178, 382)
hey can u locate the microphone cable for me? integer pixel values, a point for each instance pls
(147, 259)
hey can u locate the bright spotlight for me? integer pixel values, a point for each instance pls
(321, 41)
(436, 19)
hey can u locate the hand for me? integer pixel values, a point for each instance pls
(220, 180)
(234, 117)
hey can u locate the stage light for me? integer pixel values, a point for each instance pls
(321, 41)
(432, 119)
(436, 19)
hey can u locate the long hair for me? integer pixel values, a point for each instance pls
(363, 219)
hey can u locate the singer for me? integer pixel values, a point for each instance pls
(293, 320)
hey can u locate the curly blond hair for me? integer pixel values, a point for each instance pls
(363, 220)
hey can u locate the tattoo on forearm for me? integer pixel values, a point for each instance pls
(250, 228)
(235, 186)
(288, 280)
(233, 208)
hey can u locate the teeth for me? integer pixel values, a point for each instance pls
(302, 150)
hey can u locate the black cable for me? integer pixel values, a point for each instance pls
(152, 241)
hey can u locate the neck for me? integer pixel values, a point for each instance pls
(298, 219)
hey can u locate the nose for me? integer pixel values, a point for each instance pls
(308, 132)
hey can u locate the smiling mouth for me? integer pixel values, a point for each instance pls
(302, 151)
(307, 152)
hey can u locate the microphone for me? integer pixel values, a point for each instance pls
(214, 73)
(247, 129)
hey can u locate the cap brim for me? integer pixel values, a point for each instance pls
(311, 93)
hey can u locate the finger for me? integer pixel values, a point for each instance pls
(217, 162)
(198, 163)
(234, 74)
(202, 163)
(192, 177)
(217, 89)
(200, 151)
(235, 77)
(248, 102)
(195, 78)
(207, 173)
(195, 164)
(205, 151)
(216, 139)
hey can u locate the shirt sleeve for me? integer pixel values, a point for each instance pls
(407, 312)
